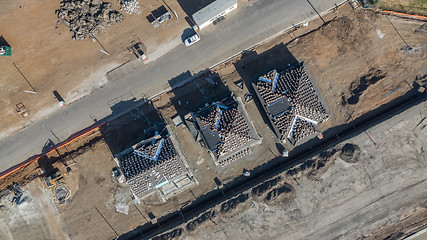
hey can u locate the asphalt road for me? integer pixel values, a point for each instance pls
(241, 29)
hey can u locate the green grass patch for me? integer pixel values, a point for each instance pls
(416, 7)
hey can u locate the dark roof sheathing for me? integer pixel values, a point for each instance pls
(278, 107)
(223, 127)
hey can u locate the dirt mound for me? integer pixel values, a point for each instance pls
(264, 187)
(421, 80)
(277, 192)
(233, 203)
(86, 18)
(315, 167)
(359, 86)
(170, 235)
(345, 33)
(61, 193)
(191, 226)
(350, 153)
(342, 28)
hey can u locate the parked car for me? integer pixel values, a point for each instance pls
(191, 40)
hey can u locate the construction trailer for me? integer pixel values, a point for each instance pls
(5, 51)
(213, 13)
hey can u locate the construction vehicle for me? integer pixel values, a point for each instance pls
(53, 180)
(5, 51)
(135, 48)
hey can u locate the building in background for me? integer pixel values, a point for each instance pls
(213, 12)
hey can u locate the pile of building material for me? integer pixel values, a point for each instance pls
(61, 193)
(86, 18)
(122, 208)
(130, 6)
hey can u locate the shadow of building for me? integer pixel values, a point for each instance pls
(3, 42)
(180, 80)
(252, 65)
(141, 122)
(191, 92)
(190, 6)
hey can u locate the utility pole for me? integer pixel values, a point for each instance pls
(103, 50)
(170, 9)
(367, 134)
(141, 213)
(316, 11)
(34, 90)
(398, 32)
(107, 222)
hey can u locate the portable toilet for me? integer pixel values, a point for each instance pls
(5, 51)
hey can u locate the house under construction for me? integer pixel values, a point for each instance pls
(225, 129)
(292, 104)
(154, 165)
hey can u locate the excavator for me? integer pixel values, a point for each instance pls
(52, 180)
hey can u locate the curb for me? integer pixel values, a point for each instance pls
(249, 48)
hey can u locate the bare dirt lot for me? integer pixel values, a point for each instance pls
(384, 183)
(47, 56)
(336, 199)
(358, 63)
